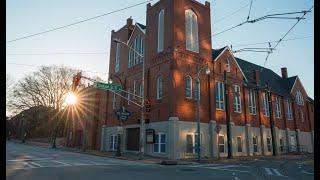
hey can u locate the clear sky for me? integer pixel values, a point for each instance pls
(26, 17)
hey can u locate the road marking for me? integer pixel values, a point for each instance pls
(39, 159)
(232, 170)
(29, 165)
(66, 164)
(303, 171)
(36, 164)
(273, 172)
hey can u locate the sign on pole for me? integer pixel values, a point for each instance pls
(108, 86)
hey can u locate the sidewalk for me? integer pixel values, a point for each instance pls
(159, 160)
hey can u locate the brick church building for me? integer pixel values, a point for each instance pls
(176, 44)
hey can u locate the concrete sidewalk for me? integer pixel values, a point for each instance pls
(158, 160)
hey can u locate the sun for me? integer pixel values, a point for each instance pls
(71, 99)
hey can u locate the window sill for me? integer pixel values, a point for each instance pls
(239, 112)
(220, 109)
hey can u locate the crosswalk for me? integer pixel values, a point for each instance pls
(273, 172)
(239, 168)
(26, 164)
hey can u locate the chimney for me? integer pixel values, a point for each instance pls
(129, 21)
(284, 72)
(256, 76)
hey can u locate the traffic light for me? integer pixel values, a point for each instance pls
(148, 105)
(76, 81)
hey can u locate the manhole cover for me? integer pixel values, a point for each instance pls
(188, 170)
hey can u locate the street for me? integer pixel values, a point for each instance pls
(34, 162)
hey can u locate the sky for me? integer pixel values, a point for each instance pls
(25, 17)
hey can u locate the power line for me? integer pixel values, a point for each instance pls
(57, 53)
(278, 42)
(266, 42)
(37, 66)
(249, 10)
(78, 22)
(231, 14)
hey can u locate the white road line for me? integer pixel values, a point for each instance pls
(232, 170)
(303, 171)
(36, 164)
(268, 171)
(66, 164)
(38, 159)
(277, 172)
(29, 165)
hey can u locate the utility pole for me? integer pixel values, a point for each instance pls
(198, 118)
(274, 152)
(229, 138)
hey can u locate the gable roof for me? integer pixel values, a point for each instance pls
(216, 52)
(277, 84)
(141, 26)
(310, 100)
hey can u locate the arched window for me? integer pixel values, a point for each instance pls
(160, 30)
(159, 87)
(299, 98)
(188, 82)
(197, 89)
(192, 43)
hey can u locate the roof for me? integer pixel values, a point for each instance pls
(276, 83)
(310, 100)
(141, 26)
(216, 52)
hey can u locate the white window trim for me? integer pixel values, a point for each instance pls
(220, 94)
(302, 115)
(114, 142)
(193, 135)
(224, 144)
(252, 102)
(194, 30)
(241, 144)
(117, 60)
(257, 143)
(228, 67)
(159, 144)
(270, 144)
(160, 36)
(266, 108)
(278, 107)
(236, 99)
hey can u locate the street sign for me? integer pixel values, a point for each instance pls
(108, 86)
(123, 114)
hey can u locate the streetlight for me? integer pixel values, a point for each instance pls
(142, 123)
(198, 107)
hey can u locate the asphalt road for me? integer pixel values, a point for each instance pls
(37, 163)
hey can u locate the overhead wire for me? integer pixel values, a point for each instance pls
(78, 22)
(278, 42)
(37, 66)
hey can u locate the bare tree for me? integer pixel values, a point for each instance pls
(9, 90)
(46, 87)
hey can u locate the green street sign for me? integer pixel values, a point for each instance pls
(107, 86)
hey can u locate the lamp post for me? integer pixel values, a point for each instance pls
(142, 123)
(198, 108)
